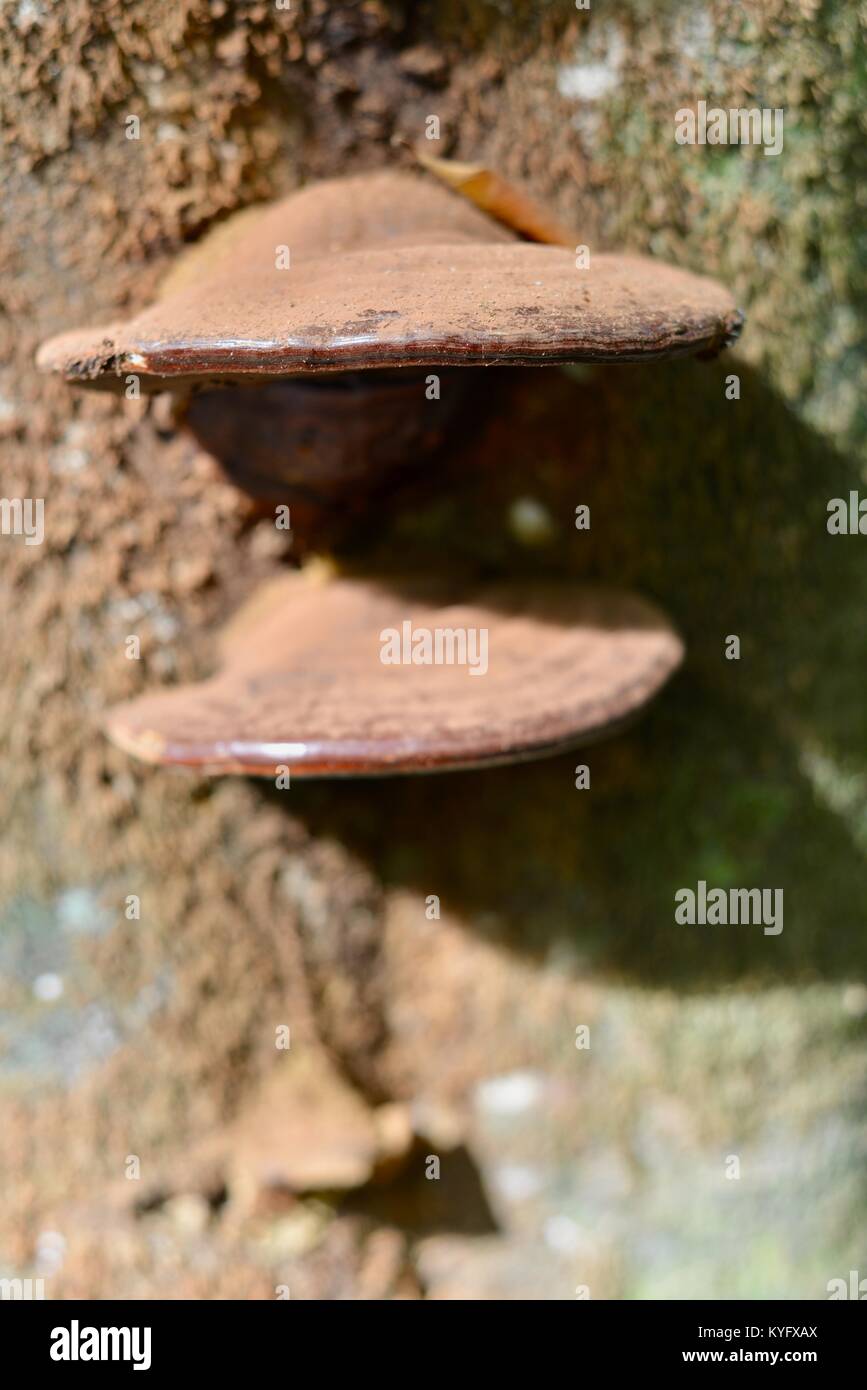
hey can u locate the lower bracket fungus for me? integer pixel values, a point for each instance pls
(319, 349)
(337, 676)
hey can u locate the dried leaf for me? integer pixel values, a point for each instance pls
(499, 198)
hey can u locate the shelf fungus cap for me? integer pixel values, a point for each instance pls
(391, 270)
(342, 676)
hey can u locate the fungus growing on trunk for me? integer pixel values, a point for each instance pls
(349, 676)
(319, 349)
(389, 270)
(348, 307)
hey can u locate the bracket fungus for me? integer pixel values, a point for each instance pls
(318, 348)
(390, 270)
(334, 676)
(326, 313)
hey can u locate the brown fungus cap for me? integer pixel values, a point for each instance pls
(391, 270)
(303, 684)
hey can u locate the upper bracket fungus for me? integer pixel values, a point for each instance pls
(319, 347)
(390, 270)
(337, 304)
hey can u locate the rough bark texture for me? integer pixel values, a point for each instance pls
(602, 1166)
